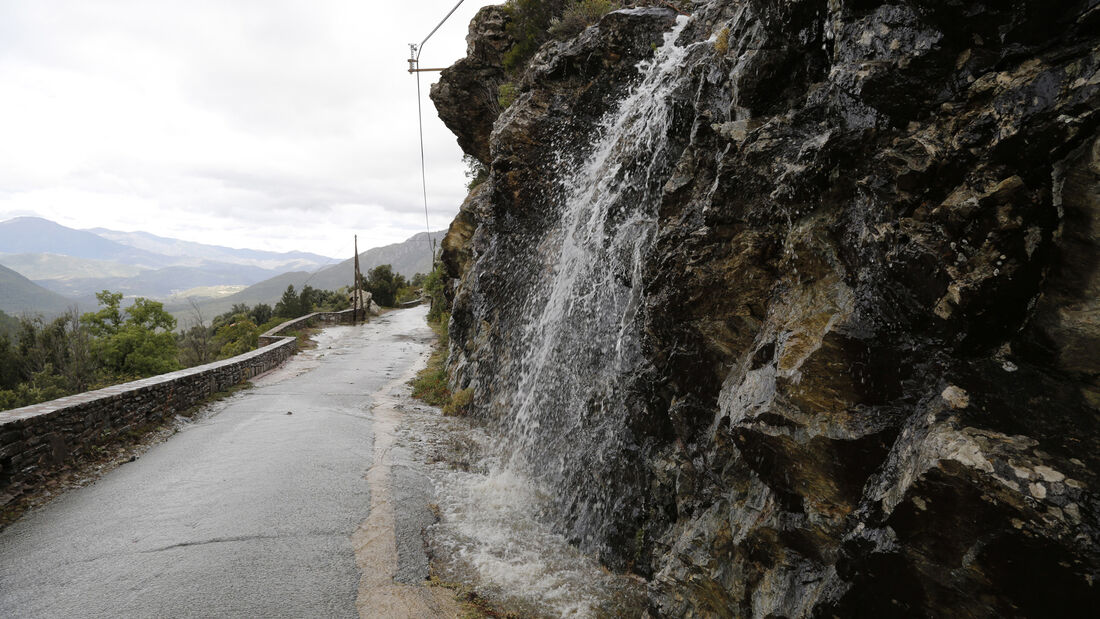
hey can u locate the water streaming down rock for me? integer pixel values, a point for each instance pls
(503, 521)
(582, 337)
(857, 370)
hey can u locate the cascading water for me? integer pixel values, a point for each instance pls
(582, 338)
(559, 472)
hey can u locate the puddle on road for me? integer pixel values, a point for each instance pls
(490, 537)
(330, 340)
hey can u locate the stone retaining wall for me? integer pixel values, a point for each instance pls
(37, 438)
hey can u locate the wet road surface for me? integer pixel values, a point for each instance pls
(249, 512)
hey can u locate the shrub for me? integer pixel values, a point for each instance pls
(431, 384)
(237, 337)
(433, 289)
(476, 173)
(506, 96)
(579, 15)
(528, 23)
(460, 403)
(272, 323)
(722, 42)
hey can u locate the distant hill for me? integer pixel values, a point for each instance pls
(284, 261)
(34, 235)
(79, 263)
(37, 267)
(20, 295)
(159, 283)
(408, 258)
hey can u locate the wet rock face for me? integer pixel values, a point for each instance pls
(870, 314)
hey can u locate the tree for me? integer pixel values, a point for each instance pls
(476, 172)
(41, 386)
(10, 371)
(290, 305)
(196, 344)
(240, 336)
(9, 325)
(383, 284)
(63, 345)
(46, 361)
(72, 351)
(261, 313)
(141, 345)
(309, 298)
(108, 319)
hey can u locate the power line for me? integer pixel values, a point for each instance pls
(414, 67)
(423, 170)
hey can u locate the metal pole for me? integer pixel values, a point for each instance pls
(420, 48)
(357, 295)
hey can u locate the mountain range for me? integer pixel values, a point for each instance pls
(46, 268)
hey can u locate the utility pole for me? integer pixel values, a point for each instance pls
(356, 293)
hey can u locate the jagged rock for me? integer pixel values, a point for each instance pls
(456, 250)
(866, 373)
(466, 94)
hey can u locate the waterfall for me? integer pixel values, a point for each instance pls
(562, 466)
(581, 338)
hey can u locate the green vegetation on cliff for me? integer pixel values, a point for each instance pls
(534, 22)
(431, 384)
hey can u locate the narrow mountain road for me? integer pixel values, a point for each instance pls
(280, 505)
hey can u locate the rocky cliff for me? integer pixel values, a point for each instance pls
(795, 306)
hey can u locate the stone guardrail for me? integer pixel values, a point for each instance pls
(37, 438)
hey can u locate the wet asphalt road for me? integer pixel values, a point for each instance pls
(248, 513)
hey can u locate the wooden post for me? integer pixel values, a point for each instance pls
(356, 294)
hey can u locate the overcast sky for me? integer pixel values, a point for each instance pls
(269, 124)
